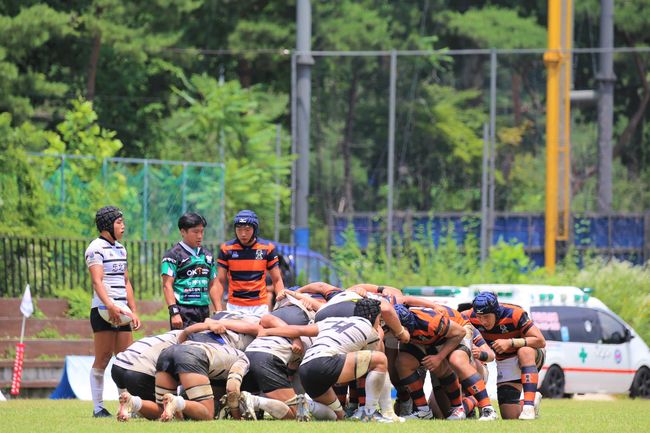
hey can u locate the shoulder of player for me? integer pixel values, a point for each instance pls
(174, 254)
(262, 243)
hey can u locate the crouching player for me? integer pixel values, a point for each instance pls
(519, 348)
(194, 364)
(339, 354)
(134, 372)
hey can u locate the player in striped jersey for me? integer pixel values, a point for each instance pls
(134, 373)
(275, 360)
(519, 348)
(244, 262)
(107, 263)
(340, 354)
(194, 363)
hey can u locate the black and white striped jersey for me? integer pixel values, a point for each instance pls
(142, 355)
(112, 257)
(341, 335)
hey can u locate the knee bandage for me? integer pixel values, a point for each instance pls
(160, 392)
(362, 362)
(335, 406)
(200, 392)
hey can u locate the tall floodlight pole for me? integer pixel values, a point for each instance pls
(304, 62)
(606, 80)
(391, 155)
(552, 59)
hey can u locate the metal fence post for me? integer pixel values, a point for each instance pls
(145, 200)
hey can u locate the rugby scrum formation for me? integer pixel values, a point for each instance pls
(325, 353)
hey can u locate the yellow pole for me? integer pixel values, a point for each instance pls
(567, 44)
(552, 59)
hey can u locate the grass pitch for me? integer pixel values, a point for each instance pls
(52, 416)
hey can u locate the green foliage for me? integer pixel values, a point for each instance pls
(78, 302)
(48, 333)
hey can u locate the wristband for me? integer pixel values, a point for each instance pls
(483, 356)
(518, 342)
(400, 333)
(173, 310)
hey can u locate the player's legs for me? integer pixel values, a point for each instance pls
(104, 344)
(200, 403)
(529, 378)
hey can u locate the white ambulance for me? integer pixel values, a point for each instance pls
(589, 349)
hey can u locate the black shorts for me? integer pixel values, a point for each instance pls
(183, 358)
(319, 374)
(136, 383)
(99, 325)
(268, 371)
(192, 314)
(342, 309)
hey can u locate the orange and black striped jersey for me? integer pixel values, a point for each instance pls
(431, 327)
(453, 315)
(512, 321)
(247, 268)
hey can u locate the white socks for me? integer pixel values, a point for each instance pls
(385, 399)
(97, 388)
(374, 385)
(180, 403)
(276, 408)
(136, 403)
(321, 412)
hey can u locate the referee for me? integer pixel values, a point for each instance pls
(187, 270)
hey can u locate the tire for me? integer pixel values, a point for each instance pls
(641, 384)
(553, 384)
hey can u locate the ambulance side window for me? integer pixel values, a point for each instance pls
(567, 324)
(612, 331)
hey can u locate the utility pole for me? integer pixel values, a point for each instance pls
(304, 62)
(606, 79)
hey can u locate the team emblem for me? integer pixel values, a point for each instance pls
(259, 254)
(503, 328)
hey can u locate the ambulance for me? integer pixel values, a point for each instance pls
(589, 349)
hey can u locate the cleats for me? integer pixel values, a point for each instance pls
(126, 407)
(405, 407)
(393, 417)
(247, 406)
(102, 413)
(356, 416)
(420, 414)
(170, 407)
(527, 412)
(302, 408)
(375, 417)
(488, 414)
(457, 414)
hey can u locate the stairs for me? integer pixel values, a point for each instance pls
(49, 340)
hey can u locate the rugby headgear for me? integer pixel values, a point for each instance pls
(368, 309)
(406, 317)
(106, 217)
(247, 217)
(485, 303)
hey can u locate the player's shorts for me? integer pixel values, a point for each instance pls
(419, 351)
(136, 383)
(183, 358)
(340, 309)
(508, 370)
(99, 325)
(192, 314)
(255, 310)
(319, 374)
(268, 371)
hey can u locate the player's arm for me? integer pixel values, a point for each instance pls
(480, 349)
(291, 331)
(130, 301)
(277, 284)
(97, 277)
(215, 297)
(309, 302)
(392, 321)
(374, 288)
(414, 301)
(216, 288)
(240, 326)
(533, 338)
(318, 288)
(168, 292)
(453, 336)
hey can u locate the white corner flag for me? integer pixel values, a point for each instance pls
(26, 305)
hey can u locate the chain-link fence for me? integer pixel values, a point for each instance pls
(153, 194)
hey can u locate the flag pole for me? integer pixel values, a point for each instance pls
(26, 308)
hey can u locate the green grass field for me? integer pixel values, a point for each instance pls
(51, 416)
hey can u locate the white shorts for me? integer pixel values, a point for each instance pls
(508, 370)
(255, 310)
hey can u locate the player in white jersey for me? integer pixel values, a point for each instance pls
(107, 262)
(194, 363)
(134, 372)
(340, 354)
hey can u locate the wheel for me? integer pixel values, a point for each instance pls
(641, 384)
(553, 384)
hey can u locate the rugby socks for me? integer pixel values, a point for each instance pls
(354, 389)
(375, 381)
(385, 399)
(276, 408)
(360, 388)
(469, 404)
(321, 412)
(341, 393)
(452, 388)
(415, 387)
(475, 386)
(97, 388)
(136, 403)
(529, 378)
(180, 403)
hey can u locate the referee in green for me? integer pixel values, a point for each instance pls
(187, 272)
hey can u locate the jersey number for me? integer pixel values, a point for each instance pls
(118, 267)
(342, 326)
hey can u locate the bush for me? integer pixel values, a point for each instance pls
(78, 302)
